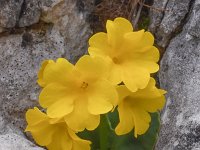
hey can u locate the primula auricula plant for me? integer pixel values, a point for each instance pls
(115, 76)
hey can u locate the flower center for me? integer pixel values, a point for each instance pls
(115, 60)
(84, 85)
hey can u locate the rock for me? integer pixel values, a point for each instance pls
(2, 29)
(54, 28)
(30, 13)
(11, 141)
(10, 12)
(180, 76)
(167, 19)
(68, 19)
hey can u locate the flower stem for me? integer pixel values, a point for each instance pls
(105, 129)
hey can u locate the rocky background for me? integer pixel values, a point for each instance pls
(34, 30)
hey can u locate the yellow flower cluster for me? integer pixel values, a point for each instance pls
(74, 96)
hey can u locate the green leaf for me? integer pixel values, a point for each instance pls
(143, 142)
(101, 137)
(104, 137)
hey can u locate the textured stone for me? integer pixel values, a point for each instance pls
(180, 76)
(30, 13)
(11, 141)
(10, 12)
(2, 29)
(54, 28)
(68, 19)
(167, 19)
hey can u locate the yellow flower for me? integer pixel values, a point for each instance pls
(78, 93)
(40, 74)
(54, 136)
(131, 56)
(134, 108)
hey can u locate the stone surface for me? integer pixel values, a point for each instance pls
(11, 141)
(30, 13)
(35, 30)
(180, 76)
(10, 12)
(167, 19)
(19, 13)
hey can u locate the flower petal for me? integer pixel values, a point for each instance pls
(39, 126)
(80, 118)
(141, 121)
(88, 67)
(58, 71)
(138, 40)
(116, 30)
(61, 141)
(44, 134)
(149, 99)
(126, 123)
(102, 97)
(152, 67)
(60, 108)
(35, 116)
(78, 143)
(123, 92)
(115, 74)
(135, 77)
(99, 45)
(40, 80)
(150, 53)
(55, 92)
(139, 103)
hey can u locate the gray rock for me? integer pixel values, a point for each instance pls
(68, 19)
(19, 13)
(9, 12)
(55, 28)
(11, 141)
(30, 13)
(180, 76)
(167, 19)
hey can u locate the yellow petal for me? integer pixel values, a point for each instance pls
(40, 80)
(61, 108)
(88, 67)
(138, 40)
(135, 77)
(150, 53)
(150, 99)
(99, 45)
(148, 39)
(35, 116)
(132, 40)
(56, 120)
(78, 143)
(80, 118)
(81, 145)
(58, 71)
(39, 127)
(55, 92)
(126, 123)
(44, 134)
(115, 76)
(141, 121)
(139, 103)
(102, 97)
(147, 54)
(116, 30)
(152, 67)
(123, 92)
(61, 141)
